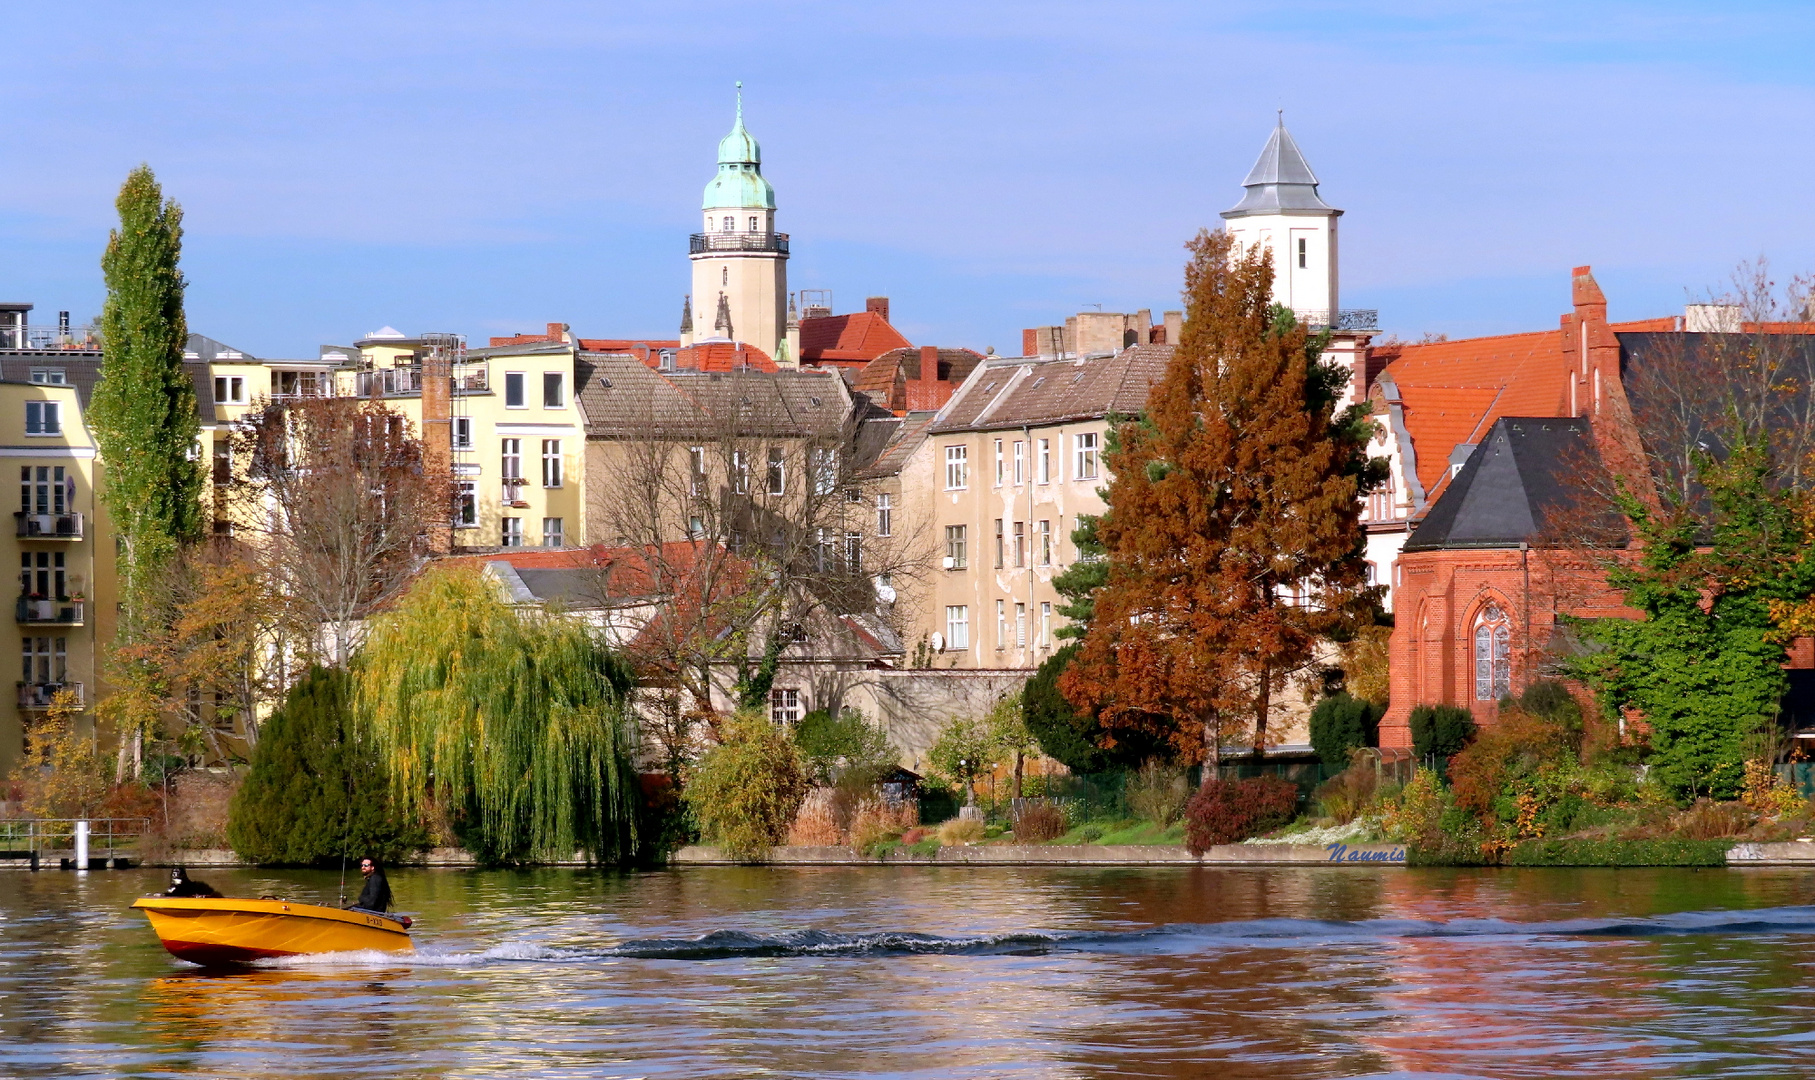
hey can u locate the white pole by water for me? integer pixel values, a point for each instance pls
(81, 845)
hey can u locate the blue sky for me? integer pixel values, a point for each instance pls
(487, 167)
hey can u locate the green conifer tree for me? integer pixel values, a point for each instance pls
(317, 792)
(143, 410)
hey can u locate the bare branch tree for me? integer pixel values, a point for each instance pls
(340, 499)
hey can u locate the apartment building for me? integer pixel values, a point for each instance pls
(1001, 478)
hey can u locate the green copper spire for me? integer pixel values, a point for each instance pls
(739, 184)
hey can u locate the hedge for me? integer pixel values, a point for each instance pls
(1620, 853)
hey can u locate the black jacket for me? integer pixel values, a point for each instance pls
(376, 896)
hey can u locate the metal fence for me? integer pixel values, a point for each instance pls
(37, 839)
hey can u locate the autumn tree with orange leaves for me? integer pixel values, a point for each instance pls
(1233, 531)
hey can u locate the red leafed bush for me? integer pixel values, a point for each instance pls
(1227, 811)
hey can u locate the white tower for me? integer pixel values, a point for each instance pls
(740, 263)
(1283, 211)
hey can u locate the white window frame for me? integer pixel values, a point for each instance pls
(1046, 624)
(1020, 624)
(466, 505)
(885, 514)
(554, 532)
(510, 532)
(510, 460)
(551, 463)
(1043, 461)
(957, 546)
(957, 627)
(43, 419)
(825, 470)
(1001, 463)
(45, 376)
(776, 479)
(784, 701)
(522, 387)
(1002, 624)
(461, 432)
(1020, 462)
(1043, 543)
(558, 382)
(957, 467)
(1084, 446)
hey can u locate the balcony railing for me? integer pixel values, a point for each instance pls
(400, 381)
(55, 612)
(38, 695)
(47, 338)
(1345, 319)
(700, 243)
(512, 495)
(48, 526)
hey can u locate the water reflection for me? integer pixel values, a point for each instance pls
(1157, 972)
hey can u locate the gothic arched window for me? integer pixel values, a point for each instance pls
(1493, 654)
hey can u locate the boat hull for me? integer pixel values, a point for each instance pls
(213, 931)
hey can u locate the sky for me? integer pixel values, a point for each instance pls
(486, 168)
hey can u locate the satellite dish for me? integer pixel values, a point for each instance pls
(937, 641)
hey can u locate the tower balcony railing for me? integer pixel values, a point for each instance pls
(1345, 319)
(406, 381)
(49, 338)
(48, 526)
(704, 243)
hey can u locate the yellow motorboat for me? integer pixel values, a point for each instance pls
(222, 930)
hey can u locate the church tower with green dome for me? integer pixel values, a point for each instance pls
(740, 263)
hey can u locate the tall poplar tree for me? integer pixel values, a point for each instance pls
(143, 410)
(1233, 529)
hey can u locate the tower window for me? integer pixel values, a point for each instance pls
(724, 274)
(752, 224)
(1302, 263)
(730, 224)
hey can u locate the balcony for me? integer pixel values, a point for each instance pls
(1361, 319)
(705, 243)
(49, 612)
(38, 695)
(50, 338)
(48, 526)
(407, 381)
(512, 494)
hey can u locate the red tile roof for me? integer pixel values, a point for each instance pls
(624, 345)
(856, 338)
(721, 356)
(1453, 391)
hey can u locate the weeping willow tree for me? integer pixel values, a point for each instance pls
(517, 721)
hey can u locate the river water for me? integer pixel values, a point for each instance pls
(945, 972)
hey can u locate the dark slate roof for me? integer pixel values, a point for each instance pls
(83, 369)
(1013, 393)
(1280, 180)
(208, 349)
(905, 433)
(1521, 485)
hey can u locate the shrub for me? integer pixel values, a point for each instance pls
(877, 822)
(1767, 792)
(746, 791)
(1039, 822)
(1227, 811)
(1516, 747)
(816, 824)
(961, 831)
(316, 792)
(1158, 793)
(1619, 853)
(1064, 734)
(843, 749)
(1346, 795)
(1709, 820)
(1341, 723)
(1442, 730)
(937, 802)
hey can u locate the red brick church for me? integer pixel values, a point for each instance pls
(1498, 441)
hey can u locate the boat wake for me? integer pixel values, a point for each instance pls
(1181, 939)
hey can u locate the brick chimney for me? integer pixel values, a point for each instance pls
(878, 305)
(437, 427)
(929, 364)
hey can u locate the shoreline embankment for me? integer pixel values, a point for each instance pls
(1226, 855)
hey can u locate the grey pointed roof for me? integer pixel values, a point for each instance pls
(1281, 181)
(1528, 481)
